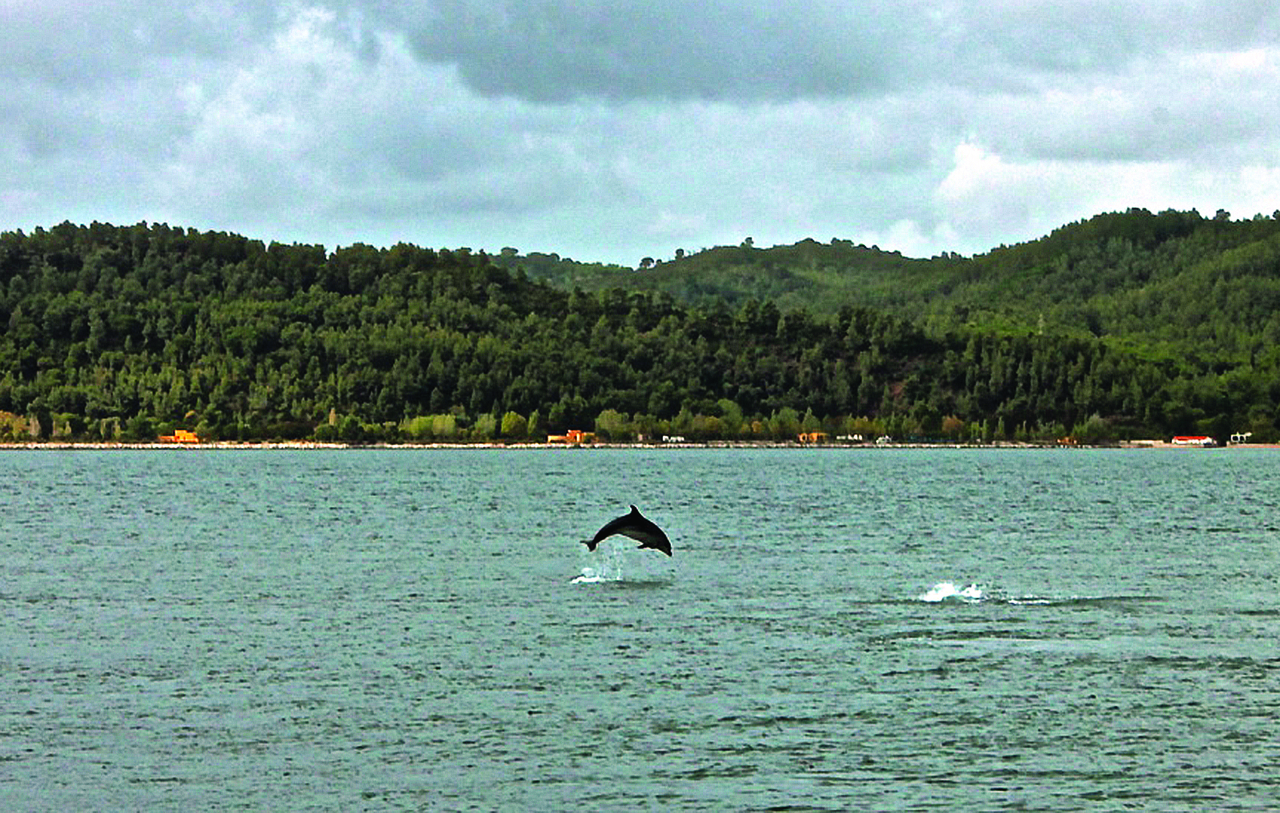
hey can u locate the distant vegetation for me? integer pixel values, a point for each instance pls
(1165, 284)
(1126, 325)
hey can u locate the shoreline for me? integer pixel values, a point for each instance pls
(713, 444)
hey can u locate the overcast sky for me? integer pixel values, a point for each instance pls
(616, 129)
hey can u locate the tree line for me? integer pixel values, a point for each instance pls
(130, 332)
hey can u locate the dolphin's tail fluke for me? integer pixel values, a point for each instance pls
(590, 543)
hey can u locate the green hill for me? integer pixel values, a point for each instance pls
(1166, 284)
(127, 332)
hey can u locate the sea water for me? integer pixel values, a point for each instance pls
(838, 629)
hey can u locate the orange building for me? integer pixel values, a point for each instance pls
(180, 436)
(573, 436)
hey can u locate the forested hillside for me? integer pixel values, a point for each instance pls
(127, 332)
(1167, 285)
(816, 276)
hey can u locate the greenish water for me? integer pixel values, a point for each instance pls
(838, 629)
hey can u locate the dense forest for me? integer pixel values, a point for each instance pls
(130, 332)
(1167, 285)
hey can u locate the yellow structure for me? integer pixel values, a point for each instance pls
(573, 436)
(180, 436)
(813, 437)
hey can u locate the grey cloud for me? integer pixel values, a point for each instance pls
(714, 49)
(615, 129)
(556, 51)
(66, 43)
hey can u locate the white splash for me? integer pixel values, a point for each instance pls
(946, 590)
(606, 566)
(591, 576)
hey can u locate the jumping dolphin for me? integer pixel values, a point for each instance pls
(635, 526)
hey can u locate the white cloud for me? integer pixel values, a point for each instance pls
(987, 199)
(985, 196)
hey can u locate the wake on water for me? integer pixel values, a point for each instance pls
(606, 566)
(943, 591)
(950, 593)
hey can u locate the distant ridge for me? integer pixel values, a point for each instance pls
(1169, 283)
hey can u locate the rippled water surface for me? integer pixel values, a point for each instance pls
(838, 629)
